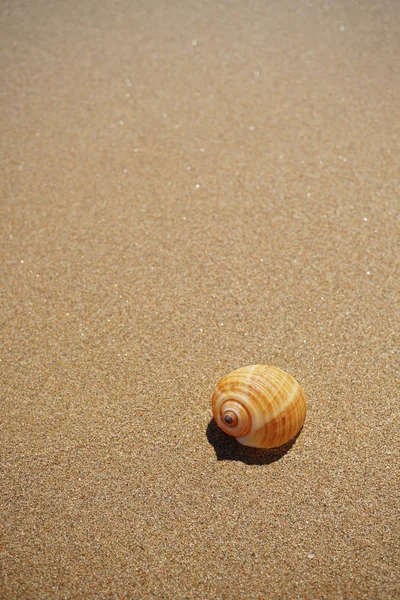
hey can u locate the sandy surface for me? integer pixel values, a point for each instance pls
(189, 187)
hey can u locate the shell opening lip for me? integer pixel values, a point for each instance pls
(234, 418)
(230, 418)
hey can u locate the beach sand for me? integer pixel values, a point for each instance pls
(187, 188)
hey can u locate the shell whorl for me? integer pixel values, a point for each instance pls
(262, 406)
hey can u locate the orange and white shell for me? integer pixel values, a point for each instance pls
(261, 406)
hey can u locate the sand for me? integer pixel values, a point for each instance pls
(189, 187)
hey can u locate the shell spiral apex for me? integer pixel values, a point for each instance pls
(261, 406)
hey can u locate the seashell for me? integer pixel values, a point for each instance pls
(261, 406)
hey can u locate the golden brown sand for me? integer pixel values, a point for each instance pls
(189, 187)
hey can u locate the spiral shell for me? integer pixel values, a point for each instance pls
(261, 406)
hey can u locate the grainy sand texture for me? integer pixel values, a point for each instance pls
(189, 187)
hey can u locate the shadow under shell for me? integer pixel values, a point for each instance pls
(227, 448)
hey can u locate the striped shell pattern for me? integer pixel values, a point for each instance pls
(261, 406)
